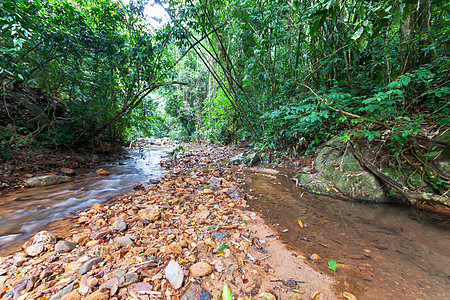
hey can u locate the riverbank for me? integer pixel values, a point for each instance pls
(186, 235)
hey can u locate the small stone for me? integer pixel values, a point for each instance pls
(219, 235)
(196, 292)
(215, 181)
(157, 276)
(348, 296)
(87, 266)
(123, 241)
(91, 281)
(267, 296)
(314, 257)
(174, 248)
(140, 288)
(183, 244)
(102, 172)
(97, 296)
(63, 292)
(174, 274)
(119, 225)
(150, 214)
(19, 259)
(200, 269)
(64, 246)
(74, 295)
(130, 278)
(67, 171)
(208, 191)
(35, 250)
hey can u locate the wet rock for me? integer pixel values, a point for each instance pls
(123, 241)
(151, 213)
(200, 269)
(47, 180)
(119, 225)
(174, 274)
(67, 171)
(102, 172)
(196, 292)
(220, 235)
(87, 266)
(64, 246)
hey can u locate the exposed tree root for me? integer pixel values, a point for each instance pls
(414, 198)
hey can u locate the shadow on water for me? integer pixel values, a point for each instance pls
(383, 251)
(25, 212)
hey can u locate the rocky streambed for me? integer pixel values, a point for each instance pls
(186, 236)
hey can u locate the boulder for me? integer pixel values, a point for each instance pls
(337, 172)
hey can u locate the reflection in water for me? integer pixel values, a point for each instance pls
(383, 251)
(24, 212)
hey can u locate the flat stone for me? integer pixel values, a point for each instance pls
(123, 241)
(65, 291)
(140, 288)
(35, 249)
(196, 292)
(64, 246)
(87, 266)
(119, 225)
(97, 296)
(174, 274)
(67, 171)
(215, 181)
(219, 235)
(47, 180)
(130, 278)
(200, 269)
(151, 214)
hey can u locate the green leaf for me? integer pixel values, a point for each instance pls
(332, 264)
(317, 24)
(358, 33)
(226, 293)
(223, 246)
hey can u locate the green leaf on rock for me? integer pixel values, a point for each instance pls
(332, 264)
(223, 246)
(226, 294)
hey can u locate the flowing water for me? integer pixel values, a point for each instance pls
(25, 212)
(382, 251)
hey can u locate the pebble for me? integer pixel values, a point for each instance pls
(174, 274)
(215, 181)
(87, 266)
(151, 214)
(219, 235)
(196, 292)
(97, 296)
(35, 250)
(123, 241)
(64, 246)
(119, 225)
(200, 269)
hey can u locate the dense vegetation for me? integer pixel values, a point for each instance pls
(284, 75)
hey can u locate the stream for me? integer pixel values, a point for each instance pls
(25, 212)
(382, 251)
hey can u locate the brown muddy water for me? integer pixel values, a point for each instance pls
(25, 212)
(382, 251)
